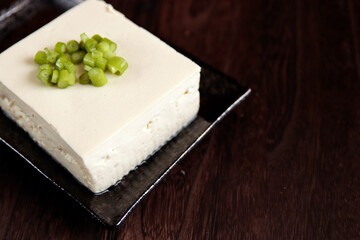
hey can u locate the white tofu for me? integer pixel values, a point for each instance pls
(100, 133)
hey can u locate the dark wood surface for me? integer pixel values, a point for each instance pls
(284, 165)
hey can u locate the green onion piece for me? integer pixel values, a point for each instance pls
(117, 65)
(51, 55)
(82, 45)
(54, 76)
(84, 37)
(72, 46)
(72, 78)
(103, 47)
(44, 75)
(84, 78)
(60, 63)
(63, 81)
(96, 54)
(97, 77)
(97, 38)
(77, 57)
(40, 57)
(70, 66)
(87, 67)
(112, 45)
(45, 66)
(101, 63)
(108, 54)
(64, 57)
(88, 60)
(60, 47)
(90, 45)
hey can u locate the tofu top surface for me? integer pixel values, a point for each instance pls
(84, 115)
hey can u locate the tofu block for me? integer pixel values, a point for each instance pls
(99, 134)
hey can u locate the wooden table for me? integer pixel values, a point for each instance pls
(284, 165)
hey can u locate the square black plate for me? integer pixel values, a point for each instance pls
(219, 94)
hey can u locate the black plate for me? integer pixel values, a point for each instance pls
(219, 94)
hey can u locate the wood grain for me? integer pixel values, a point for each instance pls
(283, 165)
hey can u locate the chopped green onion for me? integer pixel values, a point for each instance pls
(117, 65)
(64, 57)
(103, 47)
(84, 78)
(70, 66)
(97, 38)
(82, 45)
(101, 63)
(90, 45)
(77, 57)
(97, 77)
(108, 54)
(112, 45)
(96, 54)
(59, 64)
(45, 66)
(87, 67)
(40, 57)
(44, 75)
(54, 76)
(88, 60)
(63, 81)
(72, 78)
(84, 37)
(51, 55)
(72, 46)
(60, 47)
